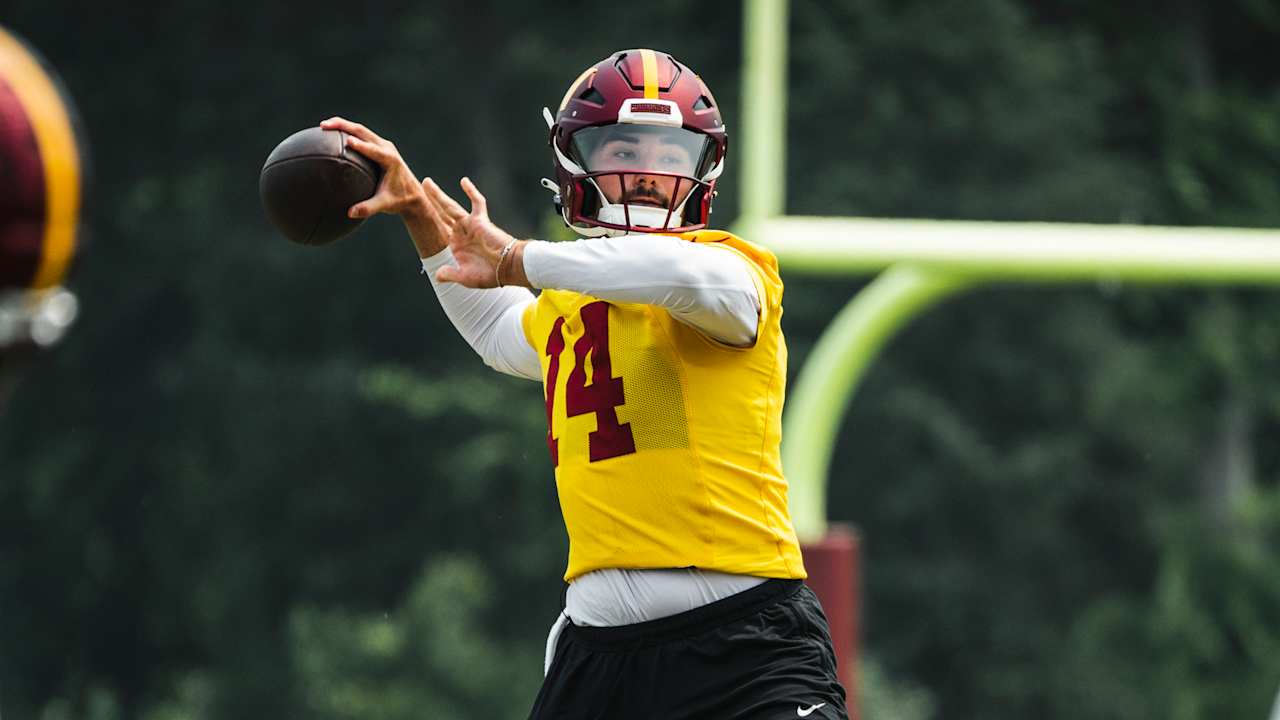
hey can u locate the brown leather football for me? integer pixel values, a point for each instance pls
(310, 181)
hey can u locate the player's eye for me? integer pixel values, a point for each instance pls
(624, 154)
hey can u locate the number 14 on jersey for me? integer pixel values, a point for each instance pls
(602, 396)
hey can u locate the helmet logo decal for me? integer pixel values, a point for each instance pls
(650, 112)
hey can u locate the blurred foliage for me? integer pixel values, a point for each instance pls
(430, 659)
(266, 480)
(1204, 633)
(881, 698)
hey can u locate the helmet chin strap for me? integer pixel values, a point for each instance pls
(642, 216)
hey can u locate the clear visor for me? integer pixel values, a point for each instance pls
(643, 148)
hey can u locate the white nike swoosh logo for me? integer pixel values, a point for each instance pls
(806, 712)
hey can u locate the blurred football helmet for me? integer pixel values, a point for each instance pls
(41, 176)
(638, 144)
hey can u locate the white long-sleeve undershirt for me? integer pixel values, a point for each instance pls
(489, 320)
(706, 287)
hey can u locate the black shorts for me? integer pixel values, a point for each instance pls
(764, 653)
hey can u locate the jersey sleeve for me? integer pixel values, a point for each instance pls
(491, 321)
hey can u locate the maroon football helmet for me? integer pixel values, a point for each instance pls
(42, 164)
(638, 144)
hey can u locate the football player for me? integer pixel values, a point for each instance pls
(658, 344)
(41, 183)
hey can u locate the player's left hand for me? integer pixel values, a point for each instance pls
(477, 243)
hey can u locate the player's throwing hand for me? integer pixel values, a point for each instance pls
(399, 191)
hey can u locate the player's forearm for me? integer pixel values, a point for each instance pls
(708, 288)
(489, 320)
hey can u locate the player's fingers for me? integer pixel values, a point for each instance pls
(469, 278)
(448, 207)
(466, 227)
(430, 189)
(336, 123)
(370, 207)
(340, 123)
(378, 153)
(444, 201)
(447, 224)
(351, 128)
(448, 273)
(479, 207)
(434, 213)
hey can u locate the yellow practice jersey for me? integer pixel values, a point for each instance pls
(665, 442)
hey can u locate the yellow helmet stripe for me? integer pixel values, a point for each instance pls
(58, 154)
(650, 62)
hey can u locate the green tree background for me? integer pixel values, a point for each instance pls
(266, 480)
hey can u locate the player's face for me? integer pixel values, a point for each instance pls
(639, 152)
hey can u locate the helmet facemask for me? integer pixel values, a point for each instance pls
(639, 178)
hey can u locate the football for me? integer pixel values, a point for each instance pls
(310, 181)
